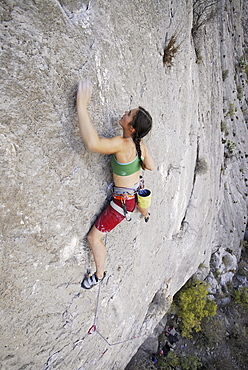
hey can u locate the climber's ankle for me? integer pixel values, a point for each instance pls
(99, 275)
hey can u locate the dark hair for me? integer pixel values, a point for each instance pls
(142, 123)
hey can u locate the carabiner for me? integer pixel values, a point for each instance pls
(92, 329)
(128, 217)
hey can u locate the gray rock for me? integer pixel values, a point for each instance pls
(213, 284)
(223, 261)
(246, 235)
(241, 279)
(52, 188)
(226, 278)
(224, 302)
(230, 262)
(150, 345)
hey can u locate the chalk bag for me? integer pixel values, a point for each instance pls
(144, 198)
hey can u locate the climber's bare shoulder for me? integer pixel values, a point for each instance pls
(112, 145)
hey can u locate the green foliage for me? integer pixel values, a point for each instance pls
(142, 364)
(198, 56)
(240, 92)
(242, 62)
(223, 126)
(213, 331)
(190, 362)
(231, 109)
(172, 361)
(218, 363)
(241, 297)
(230, 146)
(238, 344)
(193, 305)
(225, 74)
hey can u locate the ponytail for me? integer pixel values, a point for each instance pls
(142, 123)
(138, 149)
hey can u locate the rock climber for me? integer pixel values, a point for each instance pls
(129, 156)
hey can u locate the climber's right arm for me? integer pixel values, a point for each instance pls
(148, 160)
(89, 135)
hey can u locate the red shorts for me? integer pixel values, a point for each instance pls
(110, 218)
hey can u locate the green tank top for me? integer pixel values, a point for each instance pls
(125, 169)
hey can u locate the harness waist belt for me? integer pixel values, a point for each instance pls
(130, 191)
(123, 197)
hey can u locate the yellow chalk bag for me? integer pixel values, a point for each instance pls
(144, 198)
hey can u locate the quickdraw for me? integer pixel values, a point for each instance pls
(123, 197)
(92, 329)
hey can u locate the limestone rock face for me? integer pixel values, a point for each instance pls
(52, 188)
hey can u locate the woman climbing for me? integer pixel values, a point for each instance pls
(129, 155)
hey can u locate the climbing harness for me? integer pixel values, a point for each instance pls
(124, 194)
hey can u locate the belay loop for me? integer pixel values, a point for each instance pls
(124, 194)
(126, 213)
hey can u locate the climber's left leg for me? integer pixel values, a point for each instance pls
(144, 212)
(98, 249)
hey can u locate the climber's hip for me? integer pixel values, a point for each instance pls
(124, 201)
(114, 214)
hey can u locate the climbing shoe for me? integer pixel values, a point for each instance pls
(147, 218)
(89, 281)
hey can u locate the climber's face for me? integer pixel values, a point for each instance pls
(127, 118)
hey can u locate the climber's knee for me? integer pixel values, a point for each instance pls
(94, 235)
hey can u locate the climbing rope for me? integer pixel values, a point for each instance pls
(93, 328)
